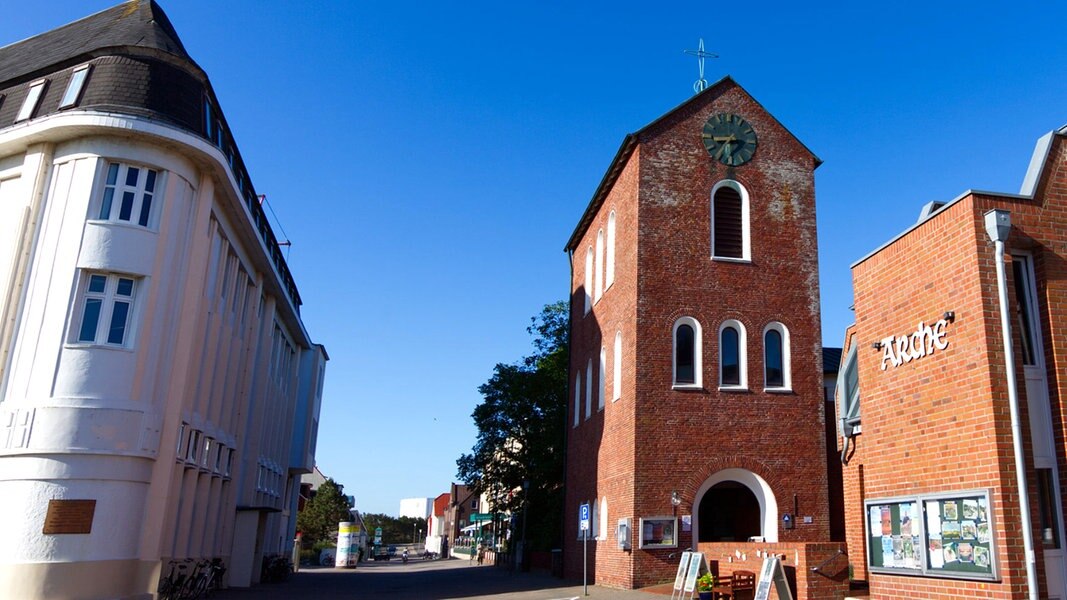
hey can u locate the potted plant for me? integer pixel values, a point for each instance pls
(704, 585)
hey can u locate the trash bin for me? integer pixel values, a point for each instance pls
(557, 562)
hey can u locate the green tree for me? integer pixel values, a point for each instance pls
(404, 530)
(318, 521)
(520, 425)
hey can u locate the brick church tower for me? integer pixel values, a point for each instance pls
(696, 410)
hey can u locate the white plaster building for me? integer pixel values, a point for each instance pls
(159, 394)
(416, 508)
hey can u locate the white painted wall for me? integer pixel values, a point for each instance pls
(417, 508)
(86, 421)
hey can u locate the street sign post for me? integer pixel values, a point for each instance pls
(583, 525)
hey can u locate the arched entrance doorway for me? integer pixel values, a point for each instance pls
(735, 505)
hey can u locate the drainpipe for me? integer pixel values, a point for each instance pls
(998, 226)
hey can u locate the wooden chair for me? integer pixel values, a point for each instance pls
(741, 585)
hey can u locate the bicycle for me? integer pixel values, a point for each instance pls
(171, 586)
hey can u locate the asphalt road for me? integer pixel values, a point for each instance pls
(424, 580)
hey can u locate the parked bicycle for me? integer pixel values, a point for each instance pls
(183, 584)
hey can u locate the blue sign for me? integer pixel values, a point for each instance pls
(583, 517)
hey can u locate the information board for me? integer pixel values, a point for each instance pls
(772, 573)
(69, 517)
(696, 569)
(944, 535)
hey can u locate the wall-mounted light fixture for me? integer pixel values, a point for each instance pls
(950, 316)
(676, 501)
(877, 345)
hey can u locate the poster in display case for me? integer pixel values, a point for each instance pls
(659, 532)
(935, 535)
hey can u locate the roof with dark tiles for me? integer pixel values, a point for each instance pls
(137, 23)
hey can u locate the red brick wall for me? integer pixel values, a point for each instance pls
(941, 423)
(600, 451)
(830, 582)
(656, 439)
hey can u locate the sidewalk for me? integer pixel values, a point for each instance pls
(427, 580)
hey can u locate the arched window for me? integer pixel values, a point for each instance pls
(733, 372)
(730, 221)
(589, 280)
(687, 352)
(577, 398)
(616, 371)
(610, 270)
(598, 284)
(776, 357)
(594, 526)
(604, 518)
(589, 389)
(602, 376)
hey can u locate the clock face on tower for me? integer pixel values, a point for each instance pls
(729, 139)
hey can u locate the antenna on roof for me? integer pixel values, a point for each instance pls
(701, 84)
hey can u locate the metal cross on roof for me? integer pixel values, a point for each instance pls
(701, 84)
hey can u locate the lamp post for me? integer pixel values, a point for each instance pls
(525, 506)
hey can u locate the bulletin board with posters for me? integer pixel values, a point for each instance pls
(935, 535)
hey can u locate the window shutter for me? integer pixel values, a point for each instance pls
(728, 232)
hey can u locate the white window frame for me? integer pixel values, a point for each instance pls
(698, 354)
(742, 355)
(609, 270)
(75, 86)
(616, 371)
(577, 398)
(107, 299)
(746, 241)
(848, 396)
(32, 101)
(589, 389)
(603, 518)
(787, 378)
(589, 280)
(598, 270)
(594, 519)
(143, 203)
(602, 377)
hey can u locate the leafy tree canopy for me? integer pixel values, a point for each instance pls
(328, 507)
(404, 530)
(520, 425)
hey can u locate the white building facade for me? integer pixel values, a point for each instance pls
(416, 508)
(159, 394)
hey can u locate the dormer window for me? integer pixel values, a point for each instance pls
(74, 87)
(33, 98)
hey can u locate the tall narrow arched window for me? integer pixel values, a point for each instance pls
(598, 271)
(733, 371)
(588, 280)
(616, 371)
(609, 271)
(776, 357)
(602, 376)
(687, 352)
(730, 221)
(589, 389)
(577, 398)
(603, 518)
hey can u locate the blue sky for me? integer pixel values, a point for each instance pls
(429, 162)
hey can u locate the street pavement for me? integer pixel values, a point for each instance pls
(425, 580)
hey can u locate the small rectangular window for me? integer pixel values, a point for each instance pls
(74, 87)
(110, 295)
(135, 188)
(33, 98)
(181, 439)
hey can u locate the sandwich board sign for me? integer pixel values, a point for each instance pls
(772, 572)
(690, 568)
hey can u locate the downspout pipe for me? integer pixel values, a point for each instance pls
(998, 226)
